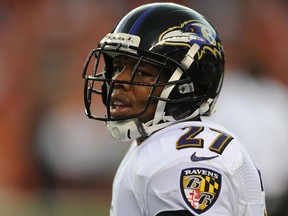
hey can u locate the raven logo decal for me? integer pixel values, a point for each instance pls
(190, 32)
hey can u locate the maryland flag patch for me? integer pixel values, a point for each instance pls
(200, 188)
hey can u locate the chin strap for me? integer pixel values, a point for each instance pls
(126, 130)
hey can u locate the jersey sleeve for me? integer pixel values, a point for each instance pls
(204, 171)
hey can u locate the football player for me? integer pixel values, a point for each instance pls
(158, 74)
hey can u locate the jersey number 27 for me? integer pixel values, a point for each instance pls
(189, 140)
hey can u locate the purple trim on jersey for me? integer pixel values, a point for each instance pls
(139, 21)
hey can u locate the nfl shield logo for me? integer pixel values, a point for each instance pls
(200, 188)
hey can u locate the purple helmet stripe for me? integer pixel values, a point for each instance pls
(138, 22)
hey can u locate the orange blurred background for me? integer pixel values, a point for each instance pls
(48, 145)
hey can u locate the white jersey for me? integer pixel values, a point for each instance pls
(194, 166)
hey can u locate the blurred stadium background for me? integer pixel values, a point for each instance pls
(55, 161)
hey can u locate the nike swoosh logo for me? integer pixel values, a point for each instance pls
(195, 158)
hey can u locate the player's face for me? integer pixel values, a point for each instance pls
(126, 99)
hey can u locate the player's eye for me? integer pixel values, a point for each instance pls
(142, 74)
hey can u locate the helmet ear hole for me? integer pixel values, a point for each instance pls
(178, 111)
(193, 99)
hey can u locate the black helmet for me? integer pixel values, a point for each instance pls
(180, 41)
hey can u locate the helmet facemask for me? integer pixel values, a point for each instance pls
(102, 84)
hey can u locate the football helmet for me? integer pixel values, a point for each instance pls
(182, 43)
